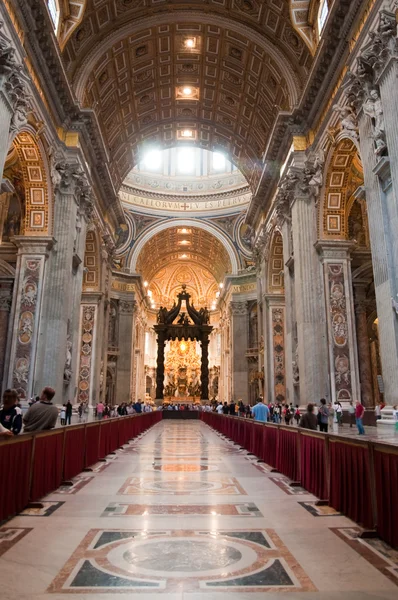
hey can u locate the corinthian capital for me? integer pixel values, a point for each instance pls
(68, 177)
(238, 308)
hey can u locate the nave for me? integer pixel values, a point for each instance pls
(182, 513)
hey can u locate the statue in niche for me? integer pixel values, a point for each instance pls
(296, 372)
(373, 108)
(316, 181)
(12, 226)
(112, 324)
(356, 228)
(68, 362)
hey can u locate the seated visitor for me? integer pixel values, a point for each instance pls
(42, 415)
(11, 414)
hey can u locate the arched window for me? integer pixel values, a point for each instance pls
(322, 15)
(53, 9)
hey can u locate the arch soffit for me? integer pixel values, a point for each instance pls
(159, 227)
(71, 15)
(343, 176)
(92, 262)
(299, 12)
(275, 282)
(6, 270)
(38, 190)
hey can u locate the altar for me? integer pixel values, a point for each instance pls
(182, 371)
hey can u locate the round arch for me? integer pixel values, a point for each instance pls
(159, 227)
(35, 172)
(275, 283)
(92, 262)
(343, 177)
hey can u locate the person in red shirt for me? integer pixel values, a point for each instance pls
(359, 412)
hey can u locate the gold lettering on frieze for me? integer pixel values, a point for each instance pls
(158, 204)
(118, 286)
(244, 289)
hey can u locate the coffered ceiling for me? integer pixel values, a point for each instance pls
(129, 61)
(188, 246)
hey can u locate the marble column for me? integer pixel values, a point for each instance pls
(161, 340)
(125, 362)
(374, 96)
(205, 367)
(364, 355)
(309, 295)
(344, 374)
(292, 386)
(239, 334)
(14, 97)
(65, 264)
(6, 288)
(26, 311)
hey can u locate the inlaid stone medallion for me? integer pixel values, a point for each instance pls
(177, 486)
(183, 561)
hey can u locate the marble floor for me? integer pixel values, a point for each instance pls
(183, 514)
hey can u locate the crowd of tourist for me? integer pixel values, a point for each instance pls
(43, 414)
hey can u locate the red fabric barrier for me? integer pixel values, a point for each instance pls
(258, 440)
(105, 439)
(15, 459)
(74, 452)
(92, 444)
(47, 463)
(386, 476)
(114, 441)
(313, 465)
(270, 445)
(287, 455)
(350, 490)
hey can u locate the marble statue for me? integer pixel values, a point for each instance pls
(348, 121)
(373, 108)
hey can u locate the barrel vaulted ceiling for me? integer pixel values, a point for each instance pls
(128, 60)
(185, 245)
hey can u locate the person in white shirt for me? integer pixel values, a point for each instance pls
(219, 408)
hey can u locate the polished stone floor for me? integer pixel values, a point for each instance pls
(182, 514)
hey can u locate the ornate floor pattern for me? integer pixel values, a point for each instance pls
(238, 560)
(375, 551)
(121, 509)
(176, 486)
(46, 509)
(183, 514)
(9, 536)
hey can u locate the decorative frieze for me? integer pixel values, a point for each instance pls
(88, 317)
(278, 346)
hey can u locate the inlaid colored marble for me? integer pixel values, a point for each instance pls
(188, 561)
(176, 486)
(375, 551)
(170, 467)
(46, 509)
(284, 484)
(320, 511)
(78, 482)
(122, 509)
(9, 536)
